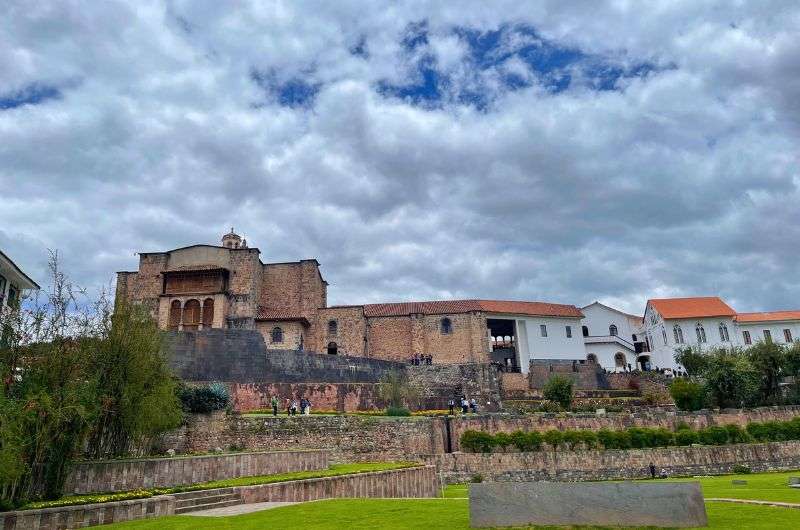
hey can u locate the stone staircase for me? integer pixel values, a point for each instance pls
(194, 501)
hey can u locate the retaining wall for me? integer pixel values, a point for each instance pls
(87, 514)
(126, 475)
(616, 464)
(403, 483)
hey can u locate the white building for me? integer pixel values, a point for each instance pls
(671, 323)
(776, 326)
(12, 282)
(612, 338)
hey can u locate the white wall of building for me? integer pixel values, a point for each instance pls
(756, 330)
(556, 345)
(598, 318)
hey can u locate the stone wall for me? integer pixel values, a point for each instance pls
(339, 397)
(351, 328)
(440, 382)
(87, 514)
(649, 418)
(347, 438)
(616, 464)
(125, 475)
(418, 482)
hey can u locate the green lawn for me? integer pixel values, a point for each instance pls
(332, 471)
(430, 514)
(760, 486)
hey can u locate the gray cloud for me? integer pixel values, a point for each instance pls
(683, 181)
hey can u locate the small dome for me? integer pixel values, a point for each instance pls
(231, 240)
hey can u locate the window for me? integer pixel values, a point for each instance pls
(701, 333)
(787, 335)
(664, 334)
(619, 360)
(191, 315)
(446, 326)
(13, 296)
(174, 314)
(333, 327)
(591, 358)
(767, 335)
(569, 332)
(585, 330)
(276, 335)
(723, 332)
(612, 330)
(677, 332)
(746, 336)
(543, 330)
(208, 313)
(333, 349)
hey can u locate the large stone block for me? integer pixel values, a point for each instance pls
(676, 505)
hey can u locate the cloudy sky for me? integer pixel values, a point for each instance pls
(611, 151)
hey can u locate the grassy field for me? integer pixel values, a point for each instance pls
(760, 486)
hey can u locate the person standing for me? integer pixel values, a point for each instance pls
(473, 405)
(308, 408)
(451, 405)
(288, 407)
(294, 407)
(464, 405)
(652, 470)
(274, 403)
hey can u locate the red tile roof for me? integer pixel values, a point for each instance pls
(695, 307)
(439, 307)
(769, 316)
(279, 315)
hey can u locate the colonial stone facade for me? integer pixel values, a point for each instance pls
(205, 287)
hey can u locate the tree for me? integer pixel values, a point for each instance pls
(687, 394)
(396, 390)
(135, 388)
(731, 380)
(558, 389)
(693, 359)
(769, 360)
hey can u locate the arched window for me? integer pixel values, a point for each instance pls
(619, 360)
(276, 335)
(333, 327)
(723, 332)
(701, 333)
(208, 313)
(677, 332)
(612, 330)
(333, 349)
(446, 326)
(592, 358)
(191, 315)
(585, 330)
(174, 314)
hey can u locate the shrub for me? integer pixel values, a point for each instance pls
(741, 470)
(477, 478)
(655, 395)
(559, 390)
(661, 437)
(686, 437)
(737, 435)
(713, 436)
(204, 399)
(502, 440)
(549, 406)
(607, 439)
(589, 438)
(477, 441)
(526, 441)
(622, 440)
(571, 438)
(553, 438)
(397, 411)
(687, 394)
(638, 437)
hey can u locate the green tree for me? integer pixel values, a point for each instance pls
(687, 394)
(731, 380)
(769, 361)
(396, 390)
(558, 389)
(693, 359)
(135, 387)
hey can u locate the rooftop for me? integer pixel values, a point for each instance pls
(768, 316)
(693, 307)
(438, 307)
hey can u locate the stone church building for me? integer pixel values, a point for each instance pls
(228, 286)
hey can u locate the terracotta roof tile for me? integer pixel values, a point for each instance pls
(695, 307)
(279, 315)
(768, 316)
(438, 307)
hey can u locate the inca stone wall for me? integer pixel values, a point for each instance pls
(126, 475)
(440, 382)
(351, 329)
(616, 464)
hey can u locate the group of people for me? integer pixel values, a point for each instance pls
(292, 406)
(467, 405)
(419, 360)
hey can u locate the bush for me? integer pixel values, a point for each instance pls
(526, 441)
(559, 390)
(713, 436)
(553, 438)
(589, 439)
(606, 438)
(737, 435)
(477, 478)
(204, 399)
(549, 406)
(397, 411)
(661, 437)
(686, 437)
(741, 470)
(638, 437)
(502, 440)
(687, 395)
(571, 438)
(477, 441)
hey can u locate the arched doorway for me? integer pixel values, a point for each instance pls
(175, 315)
(619, 360)
(644, 362)
(191, 315)
(332, 348)
(591, 358)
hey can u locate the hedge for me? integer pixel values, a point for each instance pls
(632, 438)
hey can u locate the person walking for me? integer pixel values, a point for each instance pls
(274, 403)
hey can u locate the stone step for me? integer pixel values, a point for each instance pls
(198, 507)
(202, 493)
(196, 501)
